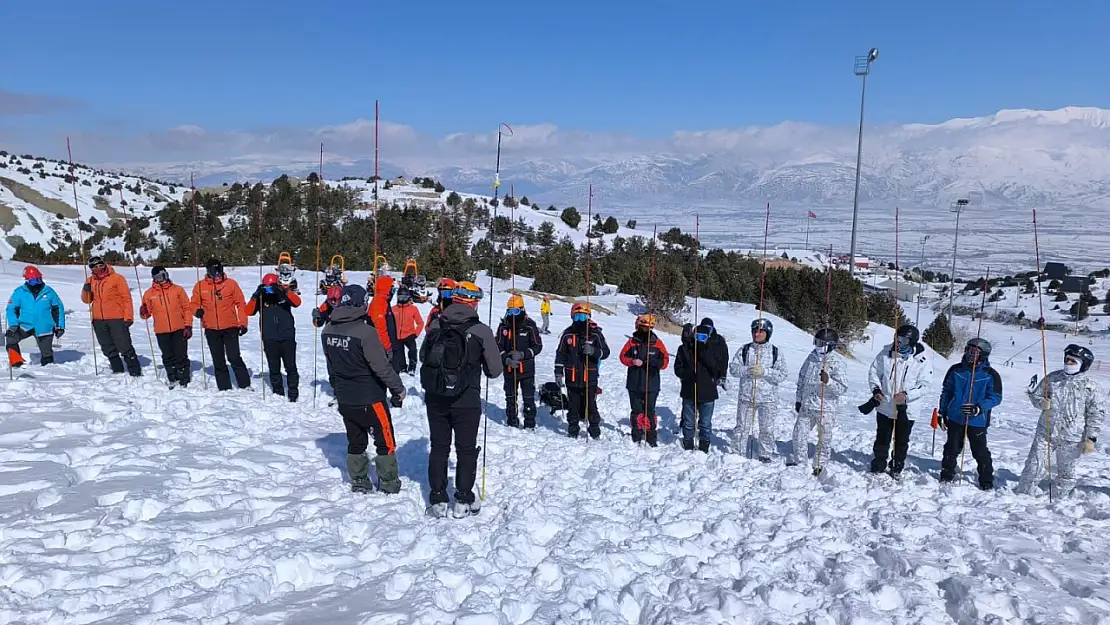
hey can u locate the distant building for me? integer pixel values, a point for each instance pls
(1055, 271)
(1074, 284)
(904, 291)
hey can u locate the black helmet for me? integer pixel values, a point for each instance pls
(827, 338)
(214, 268)
(159, 274)
(909, 331)
(984, 347)
(765, 325)
(1085, 356)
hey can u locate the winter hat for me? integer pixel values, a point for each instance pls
(353, 296)
(707, 322)
(688, 332)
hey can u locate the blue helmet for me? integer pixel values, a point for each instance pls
(765, 325)
(353, 296)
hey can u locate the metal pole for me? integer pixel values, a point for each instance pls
(952, 278)
(859, 160)
(917, 319)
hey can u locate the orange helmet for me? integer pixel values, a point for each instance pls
(515, 301)
(580, 307)
(645, 322)
(445, 284)
(466, 293)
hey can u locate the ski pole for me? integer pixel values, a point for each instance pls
(697, 298)
(81, 242)
(149, 338)
(316, 287)
(261, 338)
(894, 348)
(759, 351)
(1046, 406)
(964, 442)
(819, 461)
(196, 263)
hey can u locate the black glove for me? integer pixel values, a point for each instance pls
(128, 323)
(317, 317)
(588, 349)
(877, 396)
(970, 410)
(242, 330)
(87, 288)
(10, 332)
(199, 314)
(797, 406)
(397, 400)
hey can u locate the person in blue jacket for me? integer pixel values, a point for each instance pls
(34, 309)
(972, 388)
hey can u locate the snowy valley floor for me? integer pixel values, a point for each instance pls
(122, 502)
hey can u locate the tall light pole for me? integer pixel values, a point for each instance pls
(863, 68)
(956, 207)
(917, 319)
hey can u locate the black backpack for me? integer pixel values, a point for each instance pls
(446, 361)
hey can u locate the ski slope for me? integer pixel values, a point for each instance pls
(122, 502)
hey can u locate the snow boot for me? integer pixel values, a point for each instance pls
(412, 369)
(765, 460)
(513, 421)
(133, 366)
(279, 389)
(116, 363)
(462, 510)
(358, 465)
(688, 444)
(294, 394)
(817, 471)
(703, 446)
(791, 463)
(389, 475)
(46, 360)
(652, 438)
(437, 510)
(15, 359)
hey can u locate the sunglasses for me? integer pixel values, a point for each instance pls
(512, 312)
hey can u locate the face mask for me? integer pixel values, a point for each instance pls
(1072, 368)
(579, 317)
(100, 271)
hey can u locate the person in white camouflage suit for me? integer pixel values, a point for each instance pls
(1074, 406)
(760, 368)
(821, 382)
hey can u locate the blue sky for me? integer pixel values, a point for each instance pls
(443, 67)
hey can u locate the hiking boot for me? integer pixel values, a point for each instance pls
(765, 460)
(703, 446)
(116, 363)
(513, 422)
(46, 360)
(389, 475)
(652, 438)
(462, 510)
(572, 431)
(688, 444)
(436, 510)
(294, 394)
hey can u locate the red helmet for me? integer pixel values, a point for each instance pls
(269, 279)
(335, 293)
(30, 272)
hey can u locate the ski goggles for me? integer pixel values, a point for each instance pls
(466, 294)
(34, 282)
(513, 312)
(579, 317)
(161, 276)
(824, 344)
(701, 336)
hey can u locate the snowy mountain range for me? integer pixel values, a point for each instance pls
(1014, 158)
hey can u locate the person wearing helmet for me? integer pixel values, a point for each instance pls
(331, 301)
(457, 350)
(519, 341)
(545, 312)
(381, 316)
(582, 347)
(759, 368)
(1072, 405)
(900, 378)
(168, 304)
(409, 326)
(972, 388)
(701, 364)
(275, 304)
(445, 287)
(360, 374)
(333, 276)
(219, 304)
(287, 277)
(645, 356)
(113, 311)
(34, 309)
(821, 383)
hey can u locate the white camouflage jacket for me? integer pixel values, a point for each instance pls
(1078, 406)
(913, 374)
(774, 372)
(809, 381)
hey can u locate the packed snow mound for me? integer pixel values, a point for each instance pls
(122, 502)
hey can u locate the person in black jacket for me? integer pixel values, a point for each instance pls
(581, 348)
(701, 365)
(457, 349)
(360, 373)
(275, 304)
(645, 356)
(518, 338)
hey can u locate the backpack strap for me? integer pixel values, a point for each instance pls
(774, 354)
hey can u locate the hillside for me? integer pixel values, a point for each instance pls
(123, 503)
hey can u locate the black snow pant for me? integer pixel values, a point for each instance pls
(885, 428)
(445, 421)
(280, 353)
(644, 422)
(114, 336)
(977, 438)
(362, 422)
(175, 356)
(46, 343)
(399, 364)
(581, 407)
(224, 347)
(527, 385)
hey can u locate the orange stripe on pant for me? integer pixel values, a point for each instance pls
(387, 427)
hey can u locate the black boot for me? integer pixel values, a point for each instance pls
(294, 394)
(703, 446)
(652, 438)
(46, 360)
(688, 444)
(116, 363)
(133, 366)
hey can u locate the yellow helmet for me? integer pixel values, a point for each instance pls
(515, 301)
(579, 307)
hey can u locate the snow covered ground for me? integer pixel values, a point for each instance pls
(121, 502)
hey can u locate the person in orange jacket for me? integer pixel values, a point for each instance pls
(219, 304)
(168, 304)
(645, 356)
(381, 315)
(113, 312)
(409, 326)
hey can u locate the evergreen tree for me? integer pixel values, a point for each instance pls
(571, 217)
(939, 336)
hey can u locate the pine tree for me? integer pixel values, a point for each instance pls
(939, 336)
(571, 217)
